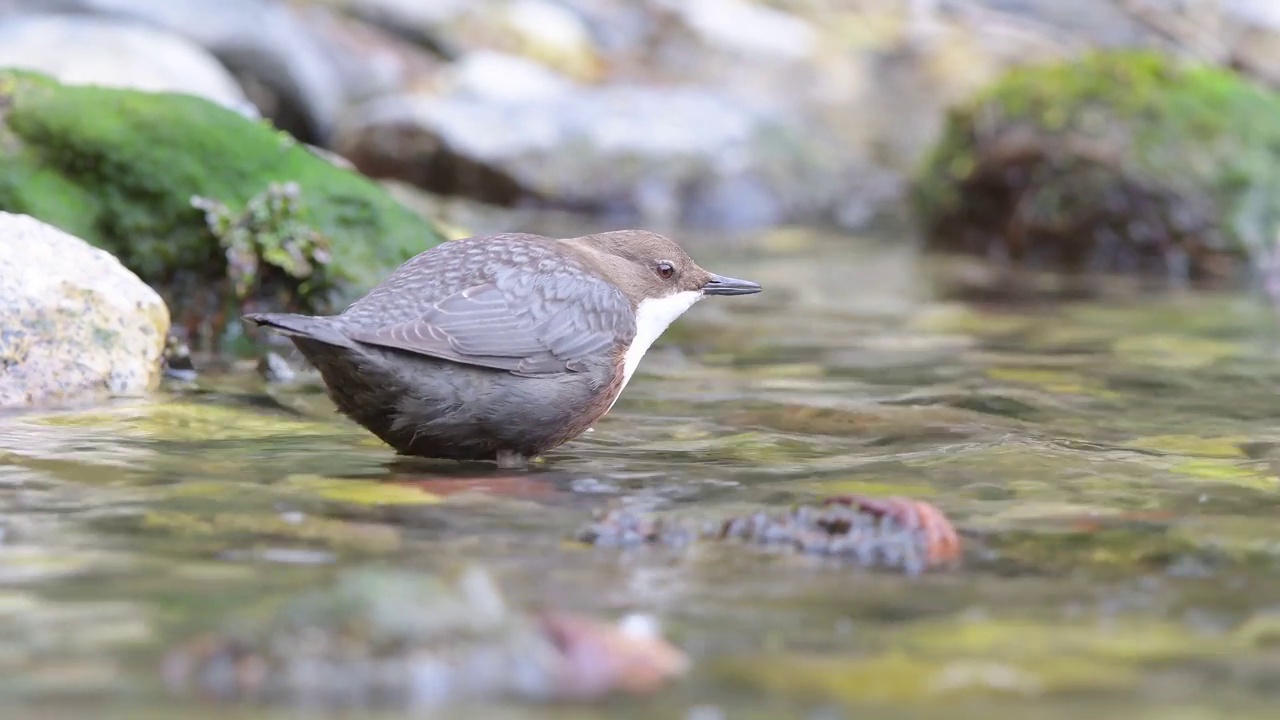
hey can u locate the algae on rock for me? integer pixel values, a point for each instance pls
(271, 231)
(1116, 161)
(120, 169)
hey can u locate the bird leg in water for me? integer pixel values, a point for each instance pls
(511, 460)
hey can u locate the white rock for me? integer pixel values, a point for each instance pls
(658, 151)
(259, 39)
(748, 27)
(548, 24)
(73, 320)
(1264, 14)
(499, 77)
(83, 50)
(408, 13)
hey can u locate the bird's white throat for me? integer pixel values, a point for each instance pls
(653, 317)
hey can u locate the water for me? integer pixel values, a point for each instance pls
(1111, 463)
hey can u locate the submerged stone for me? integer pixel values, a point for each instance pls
(906, 535)
(394, 639)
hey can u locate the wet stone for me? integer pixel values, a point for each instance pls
(390, 639)
(178, 364)
(839, 531)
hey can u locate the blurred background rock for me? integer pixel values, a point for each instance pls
(717, 114)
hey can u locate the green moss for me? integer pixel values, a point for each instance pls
(1112, 140)
(119, 168)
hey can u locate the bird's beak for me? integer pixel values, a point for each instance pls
(721, 285)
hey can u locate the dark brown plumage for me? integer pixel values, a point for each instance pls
(500, 347)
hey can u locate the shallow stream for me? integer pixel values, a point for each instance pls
(1112, 466)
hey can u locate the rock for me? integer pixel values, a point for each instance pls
(543, 30)
(101, 51)
(502, 78)
(1241, 34)
(851, 93)
(286, 70)
(1111, 163)
(153, 154)
(459, 217)
(766, 56)
(178, 363)
(416, 642)
(550, 33)
(842, 97)
(301, 65)
(1251, 36)
(763, 112)
(368, 61)
(1259, 13)
(647, 154)
(75, 321)
(906, 535)
(414, 18)
(747, 27)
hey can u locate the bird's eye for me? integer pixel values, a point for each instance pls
(666, 270)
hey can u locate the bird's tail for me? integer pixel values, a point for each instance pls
(320, 329)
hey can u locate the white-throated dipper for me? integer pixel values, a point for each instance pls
(501, 347)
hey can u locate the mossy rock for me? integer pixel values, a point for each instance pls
(120, 168)
(1119, 161)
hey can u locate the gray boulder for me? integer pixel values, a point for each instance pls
(73, 320)
(81, 50)
(544, 30)
(286, 68)
(508, 131)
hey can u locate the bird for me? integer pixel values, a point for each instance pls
(499, 348)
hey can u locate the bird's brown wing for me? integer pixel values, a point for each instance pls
(561, 326)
